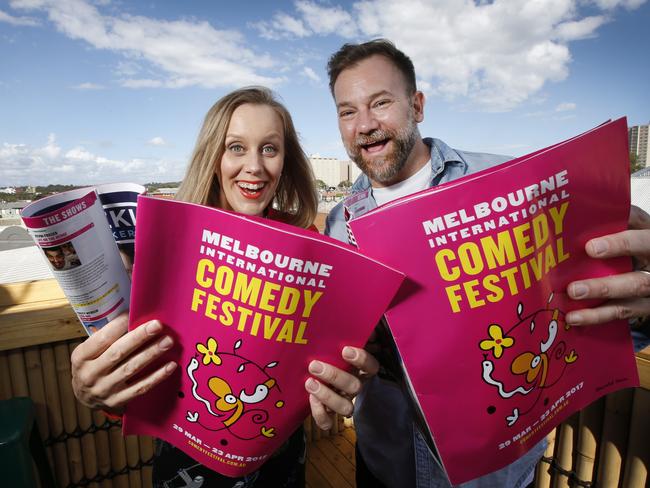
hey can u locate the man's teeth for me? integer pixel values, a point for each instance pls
(251, 186)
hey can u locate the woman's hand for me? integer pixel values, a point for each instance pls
(104, 365)
(331, 390)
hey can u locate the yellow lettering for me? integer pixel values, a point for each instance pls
(202, 266)
(522, 238)
(310, 300)
(453, 297)
(470, 258)
(301, 333)
(558, 217)
(289, 300)
(197, 299)
(442, 257)
(268, 296)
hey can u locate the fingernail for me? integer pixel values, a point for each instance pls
(316, 367)
(578, 290)
(312, 385)
(153, 327)
(170, 367)
(166, 343)
(349, 353)
(573, 318)
(599, 246)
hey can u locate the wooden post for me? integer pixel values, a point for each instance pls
(566, 444)
(615, 437)
(118, 456)
(638, 450)
(5, 377)
(132, 459)
(69, 406)
(54, 415)
(85, 421)
(590, 426)
(146, 453)
(102, 446)
(543, 475)
(37, 393)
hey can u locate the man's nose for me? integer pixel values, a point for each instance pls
(366, 122)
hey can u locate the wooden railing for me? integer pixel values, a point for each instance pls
(606, 444)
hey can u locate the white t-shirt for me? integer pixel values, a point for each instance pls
(415, 183)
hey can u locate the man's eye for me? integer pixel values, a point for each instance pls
(345, 114)
(382, 103)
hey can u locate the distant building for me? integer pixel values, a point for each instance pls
(12, 210)
(333, 171)
(638, 138)
(168, 193)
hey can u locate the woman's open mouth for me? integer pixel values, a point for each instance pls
(250, 189)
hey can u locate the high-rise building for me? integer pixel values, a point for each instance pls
(333, 171)
(638, 138)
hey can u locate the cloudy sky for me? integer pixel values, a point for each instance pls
(96, 91)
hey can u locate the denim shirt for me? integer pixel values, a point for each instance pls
(392, 446)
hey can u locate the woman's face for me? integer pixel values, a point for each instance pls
(251, 165)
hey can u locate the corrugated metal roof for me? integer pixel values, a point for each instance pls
(24, 264)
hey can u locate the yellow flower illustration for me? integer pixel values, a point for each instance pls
(496, 342)
(209, 352)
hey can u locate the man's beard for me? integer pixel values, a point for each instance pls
(384, 170)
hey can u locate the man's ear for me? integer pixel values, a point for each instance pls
(418, 106)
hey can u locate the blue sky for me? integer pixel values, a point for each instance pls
(101, 91)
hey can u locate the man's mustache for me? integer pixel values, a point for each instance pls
(375, 136)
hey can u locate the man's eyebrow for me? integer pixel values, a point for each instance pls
(370, 97)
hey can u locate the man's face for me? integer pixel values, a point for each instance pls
(378, 118)
(56, 258)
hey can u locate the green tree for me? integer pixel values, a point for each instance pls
(635, 164)
(320, 184)
(344, 185)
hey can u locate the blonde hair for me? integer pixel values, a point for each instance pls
(295, 195)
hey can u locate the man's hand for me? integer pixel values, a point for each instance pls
(104, 365)
(628, 294)
(331, 390)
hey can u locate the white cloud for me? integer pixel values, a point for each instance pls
(580, 29)
(327, 20)
(494, 54)
(612, 4)
(183, 52)
(311, 74)
(157, 141)
(88, 86)
(312, 19)
(21, 164)
(565, 107)
(18, 21)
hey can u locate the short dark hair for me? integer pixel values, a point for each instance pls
(352, 54)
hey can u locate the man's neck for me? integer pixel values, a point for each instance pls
(419, 156)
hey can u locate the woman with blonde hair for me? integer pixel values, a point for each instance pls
(247, 159)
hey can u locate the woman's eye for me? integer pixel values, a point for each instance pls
(269, 150)
(236, 148)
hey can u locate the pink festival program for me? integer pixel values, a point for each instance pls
(251, 302)
(479, 321)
